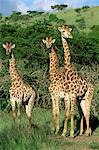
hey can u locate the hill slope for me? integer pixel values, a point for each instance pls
(91, 16)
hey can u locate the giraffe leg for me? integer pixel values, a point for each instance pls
(81, 126)
(14, 117)
(13, 110)
(81, 117)
(29, 109)
(73, 101)
(53, 115)
(88, 99)
(57, 115)
(67, 110)
(19, 116)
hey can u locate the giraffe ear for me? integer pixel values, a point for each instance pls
(13, 46)
(53, 41)
(44, 41)
(70, 29)
(59, 28)
(4, 46)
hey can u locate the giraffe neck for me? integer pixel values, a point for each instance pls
(67, 57)
(54, 65)
(13, 70)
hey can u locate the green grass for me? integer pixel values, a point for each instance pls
(39, 137)
(90, 16)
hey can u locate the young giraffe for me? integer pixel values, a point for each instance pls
(58, 84)
(78, 85)
(19, 91)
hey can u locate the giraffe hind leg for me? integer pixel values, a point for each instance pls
(67, 111)
(81, 130)
(29, 109)
(88, 99)
(72, 111)
(85, 105)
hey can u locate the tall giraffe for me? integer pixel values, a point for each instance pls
(78, 85)
(19, 91)
(58, 85)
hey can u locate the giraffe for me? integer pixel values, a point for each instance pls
(78, 85)
(58, 85)
(20, 92)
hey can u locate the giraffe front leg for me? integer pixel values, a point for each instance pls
(14, 117)
(73, 101)
(19, 115)
(53, 114)
(88, 99)
(13, 110)
(57, 115)
(67, 109)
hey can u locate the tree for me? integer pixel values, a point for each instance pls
(32, 12)
(14, 16)
(78, 10)
(81, 23)
(59, 7)
(18, 13)
(0, 16)
(85, 8)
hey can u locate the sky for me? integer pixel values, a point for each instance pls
(8, 6)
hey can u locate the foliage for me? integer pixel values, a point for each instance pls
(78, 10)
(53, 17)
(95, 28)
(59, 7)
(84, 48)
(85, 8)
(1, 16)
(81, 23)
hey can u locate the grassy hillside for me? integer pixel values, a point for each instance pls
(90, 16)
(69, 16)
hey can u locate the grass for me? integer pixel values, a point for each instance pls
(90, 16)
(39, 137)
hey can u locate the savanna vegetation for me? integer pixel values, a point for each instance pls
(27, 32)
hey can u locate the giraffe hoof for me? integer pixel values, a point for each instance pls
(63, 135)
(52, 131)
(80, 134)
(88, 134)
(72, 135)
(56, 132)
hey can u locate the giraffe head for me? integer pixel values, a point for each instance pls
(65, 31)
(49, 42)
(8, 47)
